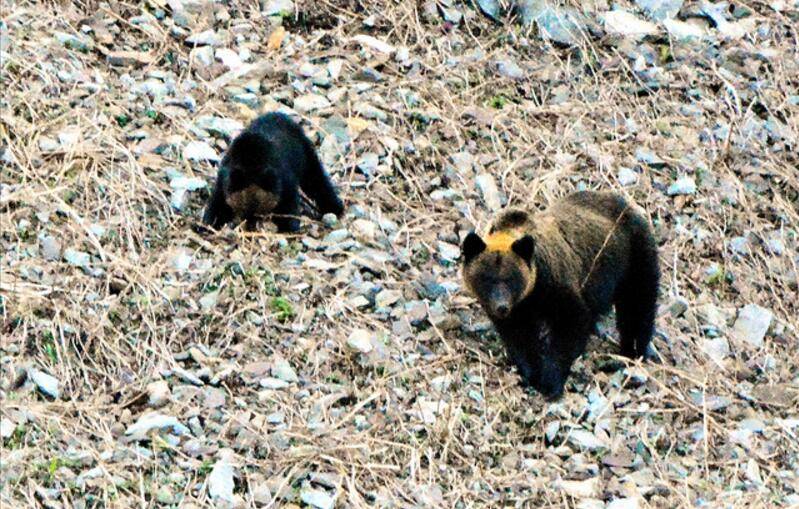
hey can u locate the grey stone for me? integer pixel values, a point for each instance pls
(208, 301)
(7, 427)
(360, 340)
(226, 127)
(77, 258)
(273, 383)
(752, 324)
(200, 151)
(623, 503)
(774, 243)
(488, 190)
(368, 163)
(47, 384)
(463, 161)
(740, 245)
(203, 55)
(51, 248)
(449, 252)
(158, 394)
(627, 24)
(330, 220)
(510, 69)
(220, 481)
(282, 8)
(585, 439)
(283, 371)
(206, 38)
(558, 24)
(387, 298)
(151, 421)
(310, 102)
(682, 186)
(716, 348)
(317, 498)
(336, 236)
(678, 307)
(650, 158)
(627, 177)
(683, 31)
(660, 10)
(490, 8)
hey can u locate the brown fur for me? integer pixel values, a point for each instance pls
(559, 270)
(252, 200)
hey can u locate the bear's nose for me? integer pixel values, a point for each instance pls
(502, 310)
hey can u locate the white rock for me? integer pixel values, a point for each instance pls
(157, 394)
(448, 252)
(373, 43)
(590, 503)
(151, 421)
(628, 24)
(273, 383)
(310, 102)
(219, 125)
(229, 58)
(206, 38)
(200, 151)
(427, 411)
(7, 427)
(69, 137)
(360, 340)
(683, 31)
(588, 488)
(181, 261)
(623, 503)
(683, 185)
(208, 301)
(279, 8)
(334, 68)
(317, 498)
(717, 348)
(48, 144)
(220, 481)
(752, 324)
(77, 258)
(753, 472)
(47, 384)
(364, 230)
(202, 54)
(627, 177)
(488, 189)
(283, 371)
(585, 439)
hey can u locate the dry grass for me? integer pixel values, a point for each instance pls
(131, 318)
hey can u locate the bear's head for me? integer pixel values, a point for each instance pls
(499, 270)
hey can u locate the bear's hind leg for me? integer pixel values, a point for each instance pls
(636, 303)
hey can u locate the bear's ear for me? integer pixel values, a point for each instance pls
(524, 247)
(472, 246)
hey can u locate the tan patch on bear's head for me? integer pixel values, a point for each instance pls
(495, 274)
(500, 241)
(252, 201)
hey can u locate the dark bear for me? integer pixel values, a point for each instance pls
(262, 172)
(545, 279)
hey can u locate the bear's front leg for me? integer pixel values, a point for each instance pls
(523, 344)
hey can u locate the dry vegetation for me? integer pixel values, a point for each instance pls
(344, 365)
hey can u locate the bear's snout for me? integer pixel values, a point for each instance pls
(500, 302)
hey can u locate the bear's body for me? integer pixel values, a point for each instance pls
(262, 172)
(545, 279)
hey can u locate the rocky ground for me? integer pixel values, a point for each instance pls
(147, 363)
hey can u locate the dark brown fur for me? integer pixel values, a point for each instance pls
(545, 279)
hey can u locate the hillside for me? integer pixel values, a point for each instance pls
(146, 362)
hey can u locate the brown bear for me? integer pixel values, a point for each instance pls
(544, 279)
